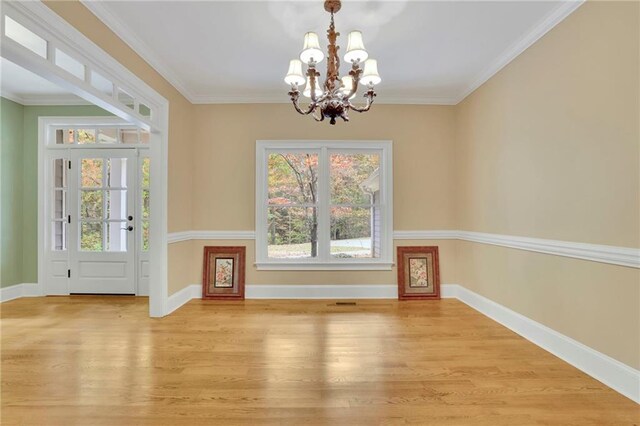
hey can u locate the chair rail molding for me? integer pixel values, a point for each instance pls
(614, 255)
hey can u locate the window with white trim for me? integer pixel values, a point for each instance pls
(324, 205)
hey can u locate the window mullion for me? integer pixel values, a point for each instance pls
(324, 250)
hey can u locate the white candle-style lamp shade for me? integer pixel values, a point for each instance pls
(294, 75)
(311, 49)
(370, 75)
(307, 89)
(355, 48)
(347, 85)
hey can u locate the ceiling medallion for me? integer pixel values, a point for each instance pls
(335, 100)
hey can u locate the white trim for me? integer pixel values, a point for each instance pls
(279, 99)
(323, 148)
(55, 100)
(613, 373)
(566, 8)
(176, 237)
(41, 20)
(623, 256)
(59, 34)
(614, 255)
(426, 235)
(179, 298)
(325, 291)
(150, 56)
(323, 266)
(19, 291)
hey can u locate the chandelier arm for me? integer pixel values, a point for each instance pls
(355, 74)
(315, 117)
(369, 95)
(313, 75)
(312, 107)
(295, 95)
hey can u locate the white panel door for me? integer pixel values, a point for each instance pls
(102, 244)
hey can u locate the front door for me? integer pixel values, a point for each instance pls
(102, 189)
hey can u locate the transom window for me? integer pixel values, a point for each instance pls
(323, 205)
(87, 135)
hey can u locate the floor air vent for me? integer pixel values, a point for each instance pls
(345, 303)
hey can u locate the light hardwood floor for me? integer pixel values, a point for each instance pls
(102, 361)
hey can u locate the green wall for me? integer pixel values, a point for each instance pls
(11, 180)
(22, 197)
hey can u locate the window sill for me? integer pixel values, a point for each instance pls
(328, 266)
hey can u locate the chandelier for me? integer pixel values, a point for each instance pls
(335, 100)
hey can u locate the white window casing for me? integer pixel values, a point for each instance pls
(324, 261)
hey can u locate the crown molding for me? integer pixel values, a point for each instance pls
(283, 99)
(44, 100)
(566, 8)
(145, 52)
(138, 45)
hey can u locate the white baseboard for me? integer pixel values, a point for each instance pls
(19, 290)
(179, 298)
(618, 376)
(328, 291)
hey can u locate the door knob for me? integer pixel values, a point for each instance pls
(130, 218)
(128, 228)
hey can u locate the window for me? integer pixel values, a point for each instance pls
(145, 191)
(105, 135)
(324, 205)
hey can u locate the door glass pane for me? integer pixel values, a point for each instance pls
(60, 173)
(108, 135)
(293, 232)
(117, 236)
(352, 232)
(146, 170)
(59, 204)
(64, 136)
(145, 235)
(145, 204)
(354, 178)
(116, 204)
(59, 235)
(91, 236)
(144, 136)
(91, 172)
(292, 178)
(129, 136)
(117, 172)
(86, 136)
(91, 204)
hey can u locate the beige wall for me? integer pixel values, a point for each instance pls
(550, 148)
(224, 175)
(224, 159)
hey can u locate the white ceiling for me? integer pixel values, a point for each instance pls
(27, 88)
(428, 52)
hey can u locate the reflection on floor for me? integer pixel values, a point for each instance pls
(101, 361)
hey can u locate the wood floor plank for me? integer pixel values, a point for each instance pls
(102, 361)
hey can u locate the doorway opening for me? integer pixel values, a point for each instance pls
(97, 198)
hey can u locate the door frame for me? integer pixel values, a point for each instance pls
(59, 34)
(44, 131)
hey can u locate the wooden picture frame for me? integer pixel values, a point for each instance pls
(418, 273)
(223, 272)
